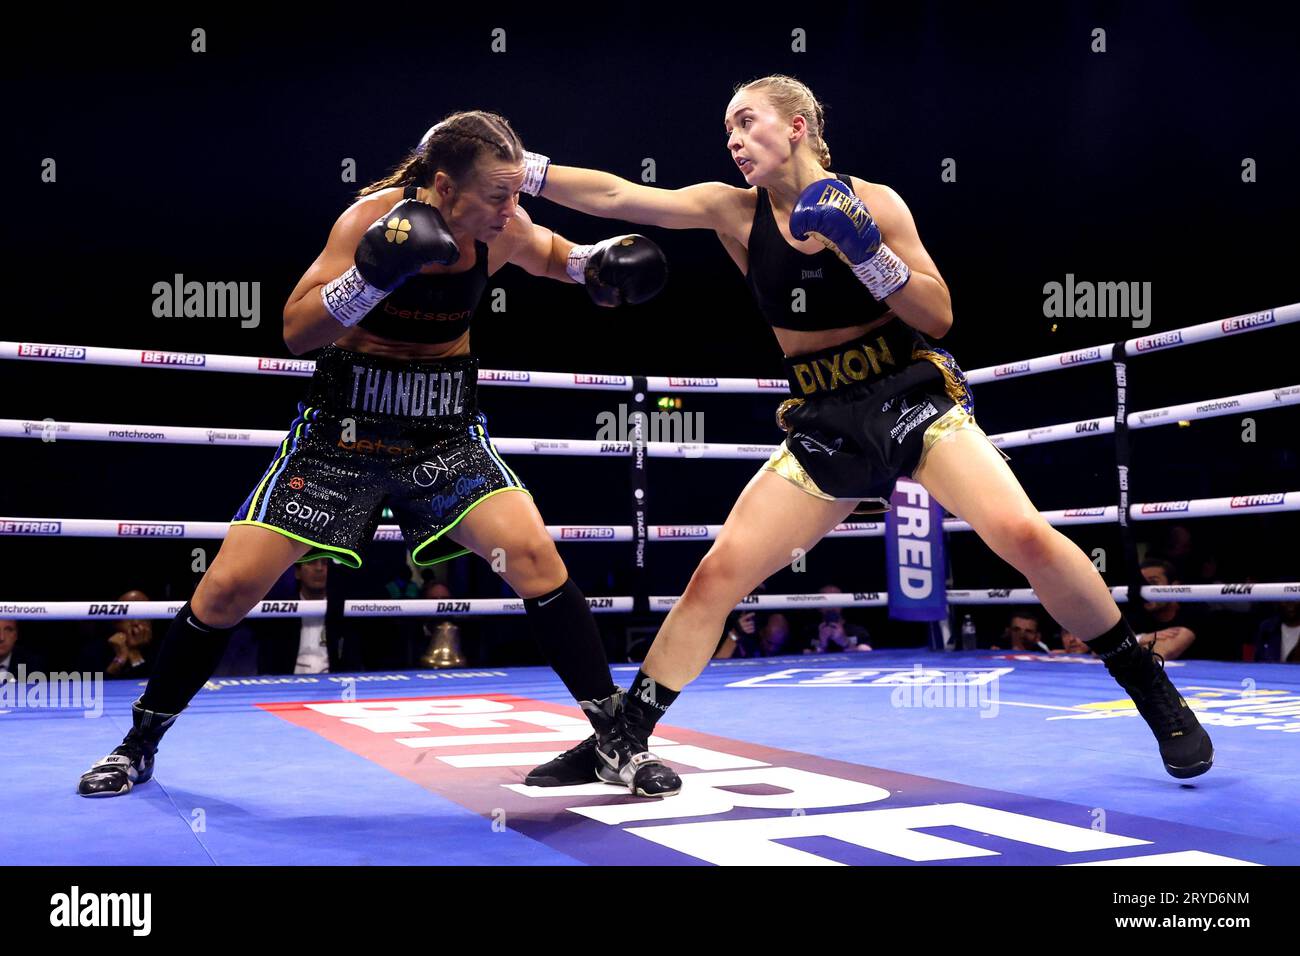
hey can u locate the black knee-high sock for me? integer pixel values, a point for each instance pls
(1116, 645)
(190, 652)
(647, 701)
(565, 628)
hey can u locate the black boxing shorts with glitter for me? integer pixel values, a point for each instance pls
(377, 432)
(866, 412)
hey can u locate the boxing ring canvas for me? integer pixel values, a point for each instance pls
(893, 758)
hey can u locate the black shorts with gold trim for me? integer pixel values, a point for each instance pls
(379, 432)
(866, 412)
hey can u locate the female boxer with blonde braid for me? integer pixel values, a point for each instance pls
(872, 399)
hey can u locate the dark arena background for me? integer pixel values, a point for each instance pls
(1151, 147)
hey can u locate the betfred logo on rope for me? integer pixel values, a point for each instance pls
(9, 526)
(692, 382)
(620, 380)
(149, 529)
(173, 358)
(583, 534)
(1082, 355)
(282, 365)
(1163, 340)
(1256, 501)
(683, 531)
(1241, 323)
(38, 351)
(1162, 507)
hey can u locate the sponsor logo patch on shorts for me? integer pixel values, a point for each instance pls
(909, 418)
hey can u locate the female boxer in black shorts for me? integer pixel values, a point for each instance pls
(392, 418)
(872, 399)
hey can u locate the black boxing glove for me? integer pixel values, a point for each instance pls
(624, 269)
(397, 245)
(401, 242)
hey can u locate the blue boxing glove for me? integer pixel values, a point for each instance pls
(840, 220)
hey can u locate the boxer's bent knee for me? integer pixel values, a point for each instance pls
(224, 598)
(1022, 539)
(722, 578)
(533, 566)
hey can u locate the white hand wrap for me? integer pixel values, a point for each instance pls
(576, 267)
(883, 274)
(535, 166)
(349, 297)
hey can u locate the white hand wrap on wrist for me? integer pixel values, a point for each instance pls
(349, 297)
(883, 274)
(535, 166)
(577, 264)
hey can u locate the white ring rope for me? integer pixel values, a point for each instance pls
(50, 430)
(93, 355)
(201, 362)
(471, 607)
(216, 530)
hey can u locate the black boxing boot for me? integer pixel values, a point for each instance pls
(623, 728)
(1185, 747)
(563, 625)
(132, 762)
(575, 766)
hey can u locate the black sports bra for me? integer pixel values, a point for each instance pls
(832, 296)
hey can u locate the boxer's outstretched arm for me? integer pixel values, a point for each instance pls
(702, 206)
(534, 248)
(618, 270)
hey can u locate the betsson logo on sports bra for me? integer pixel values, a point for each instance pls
(420, 315)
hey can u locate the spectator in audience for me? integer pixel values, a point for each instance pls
(734, 640)
(774, 635)
(12, 655)
(1168, 627)
(834, 633)
(304, 645)
(1072, 644)
(128, 651)
(748, 638)
(1278, 638)
(1023, 633)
